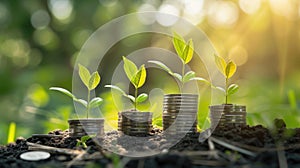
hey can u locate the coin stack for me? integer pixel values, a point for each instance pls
(82, 127)
(180, 113)
(226, 115)
(135, 123)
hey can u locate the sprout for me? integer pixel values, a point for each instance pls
(91, 81)
(185, 51)
(137, 78)
(228, 70)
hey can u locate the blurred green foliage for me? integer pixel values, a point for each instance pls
(39, 42)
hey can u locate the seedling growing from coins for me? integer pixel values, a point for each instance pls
(227, 69)
(91, 81)
(137, 78)
(185, 51)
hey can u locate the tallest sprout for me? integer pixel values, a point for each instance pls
(185, 51)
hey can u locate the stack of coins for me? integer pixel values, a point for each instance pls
(226, 115)
(180, 113)
(82, 127)
(135, 123)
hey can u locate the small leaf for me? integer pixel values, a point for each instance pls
(201, 79)
(130, 97)
(230, 69)
(221, 89)
(95, 102)
(78, 143)
(81, 101)
(141, 98)
(178, 76)
(129, 68)
(163, 66)
(94, 80)
(178, 43)
(83, 139)
(84, 75)
(115, 88)
(221, 64)
(188, 52)
(64, 91)
(187, 77)
(233, 88)
(140, 77)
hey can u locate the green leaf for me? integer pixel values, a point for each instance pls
(94, 80)
(95, 102)
(221, 64)
(232, 89)
(141, 98)
(64, 91)
(178, 76)
(188, 52)
(130, 97)
(188, 76)
(83, 139)
(140, 77)
(221, 89)
(129, 68)
(230, 69)
(78, 144)
(84, 75)
(81, 101)
(115, 88)
(178, 43)
(201, 79)
(163, 66)
(121, 91)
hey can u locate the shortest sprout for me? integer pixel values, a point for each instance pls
(137, 78)
(91, 81)
(83, 140)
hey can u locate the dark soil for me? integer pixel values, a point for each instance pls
(279, 147)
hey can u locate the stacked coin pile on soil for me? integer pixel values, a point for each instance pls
(227, 115)
(135, 123)
(180, 113)
(81, 127)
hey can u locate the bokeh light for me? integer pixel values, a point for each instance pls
(223, 13)
(144, 17)
(250, 7)
(61, 9)
(40, 19)
(165, 20)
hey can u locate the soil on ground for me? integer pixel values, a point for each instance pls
(246, 146)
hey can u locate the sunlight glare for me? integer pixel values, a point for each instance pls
(223, 13)
(146, 18)
(166, 20)
(250, 7)
(61, 9)
(239, 55)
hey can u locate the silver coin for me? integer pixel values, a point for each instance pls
(35, 155)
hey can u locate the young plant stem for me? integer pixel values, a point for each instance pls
(182, 73)
(88, 104)
(135, 96)
(226, 90)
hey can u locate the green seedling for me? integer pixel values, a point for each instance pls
(83, 140)
(11, 132)
(228, 70)
(91, 81)
(185, 51)
(137, 78)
